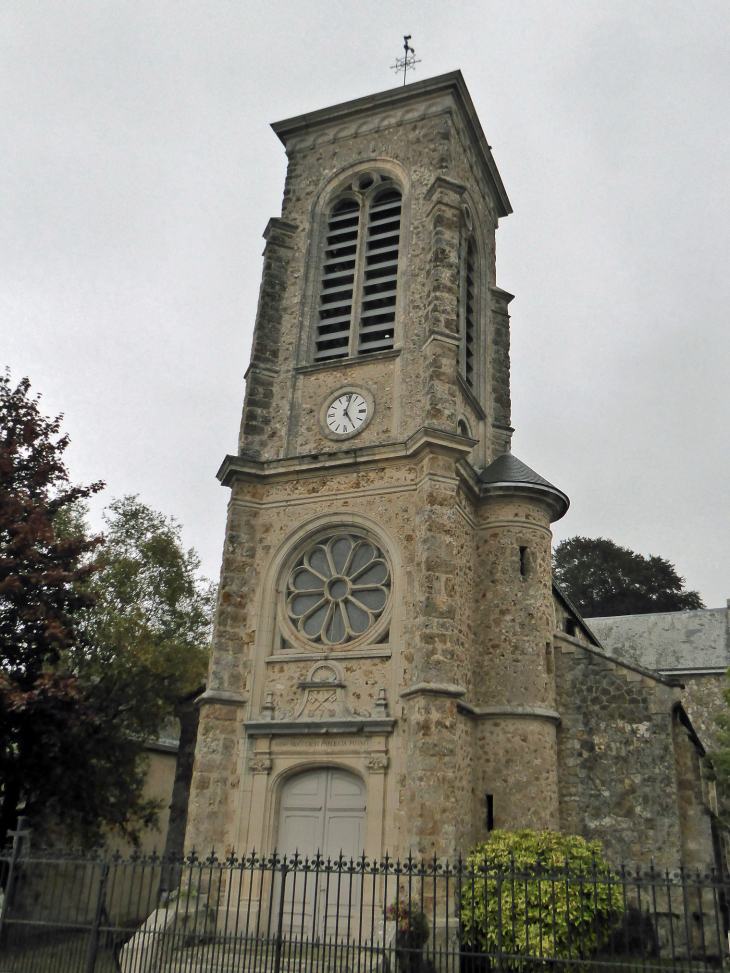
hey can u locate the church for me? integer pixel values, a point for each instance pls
(392, 668)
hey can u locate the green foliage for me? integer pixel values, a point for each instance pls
(150, 627)
(540, 916)
(603, 579)
(99, 637)
(41, 594)
(718, 759)
(44, 593)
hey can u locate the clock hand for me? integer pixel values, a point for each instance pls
(347, 409)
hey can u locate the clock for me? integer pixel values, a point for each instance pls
(347, 413)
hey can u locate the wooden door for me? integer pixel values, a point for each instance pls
(322, 812)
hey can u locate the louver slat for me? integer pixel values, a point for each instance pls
(377, 317)
(469, 331)
(338, 276)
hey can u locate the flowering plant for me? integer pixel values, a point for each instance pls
(409, 918)
(401, 913)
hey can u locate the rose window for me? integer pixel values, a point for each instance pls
(338, 589)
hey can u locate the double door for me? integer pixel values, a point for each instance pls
(322, 812)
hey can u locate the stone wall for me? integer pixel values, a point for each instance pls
(702, 699)
(618, 769)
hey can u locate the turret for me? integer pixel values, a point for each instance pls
(513, 674)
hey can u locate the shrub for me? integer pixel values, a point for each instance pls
(555, 895)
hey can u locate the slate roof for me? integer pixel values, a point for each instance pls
(508, 469)
(671, 642)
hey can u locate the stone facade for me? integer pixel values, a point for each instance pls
(454, 698)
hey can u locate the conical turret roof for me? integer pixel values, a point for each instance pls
(508, 471)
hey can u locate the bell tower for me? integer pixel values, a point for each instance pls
(384, 610)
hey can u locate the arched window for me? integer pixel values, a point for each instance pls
(358, 284)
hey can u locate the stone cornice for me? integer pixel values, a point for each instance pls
(271, 370)
(443, 182)
(277, 230)
(550, 497)
(437, 335)
(422, 99)
(501, 295)
(433, 689)
(365, 725)
(425, 439)
(222, 697)
(507, 711)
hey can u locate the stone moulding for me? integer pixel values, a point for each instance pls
(361, 457)
(258, 728)
(433, 689)
(223, 697)
(340, 363)
(555, 500)
(498, 711)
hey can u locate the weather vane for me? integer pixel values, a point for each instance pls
(408, 62)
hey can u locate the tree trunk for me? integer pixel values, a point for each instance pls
(188, 714)
(9, 809)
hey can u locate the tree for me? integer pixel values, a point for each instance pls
(149, 633)
(98, 641)
(43, 583)
(601, 578)
(149, 630)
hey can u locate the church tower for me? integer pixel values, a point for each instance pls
(381, 674)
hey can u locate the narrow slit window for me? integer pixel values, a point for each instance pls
(490, 812)
(523, 562)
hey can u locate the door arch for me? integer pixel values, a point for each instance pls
(323, 811)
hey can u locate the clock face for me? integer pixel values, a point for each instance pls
(347, 413)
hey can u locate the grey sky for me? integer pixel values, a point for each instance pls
(139, 171)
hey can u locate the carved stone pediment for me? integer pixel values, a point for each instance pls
(323, 694)
(322, 708)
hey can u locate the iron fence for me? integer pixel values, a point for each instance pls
(293, 914)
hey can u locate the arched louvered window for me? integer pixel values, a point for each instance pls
(357, 298)
(469, 328)
(467, 311)
(338, 280)
(377, 317)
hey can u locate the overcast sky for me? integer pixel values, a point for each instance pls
(139, 172)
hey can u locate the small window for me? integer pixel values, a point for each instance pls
(360, 271)
(490, 812)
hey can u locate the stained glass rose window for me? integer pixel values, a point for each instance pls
(338, 589)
